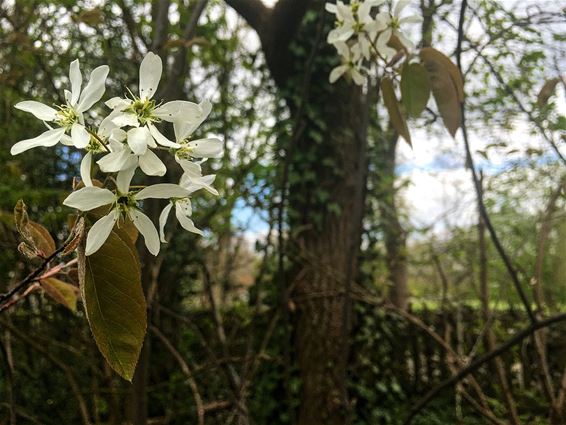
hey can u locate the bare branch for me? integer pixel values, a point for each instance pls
(480, 361)
(186, 371)
(253, 11)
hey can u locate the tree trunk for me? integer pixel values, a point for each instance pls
(325, 172)
(394, 234)
(326, 262)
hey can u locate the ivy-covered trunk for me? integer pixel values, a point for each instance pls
(325, 251)
(325, 196)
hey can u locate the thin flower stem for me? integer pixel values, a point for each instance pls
(99, 139)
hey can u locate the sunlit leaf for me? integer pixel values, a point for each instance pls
(115, 305)
(62, 292)
(415, 88)
(447, 87)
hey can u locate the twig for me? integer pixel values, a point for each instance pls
(186, 371)
(480, 361)
(477, 186)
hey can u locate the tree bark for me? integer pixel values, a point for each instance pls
(327, 168)
(393, 231)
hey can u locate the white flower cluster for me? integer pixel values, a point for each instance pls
(126, 139)
(361, 35)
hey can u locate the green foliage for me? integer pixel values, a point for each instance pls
(415, 88)
(114, 302)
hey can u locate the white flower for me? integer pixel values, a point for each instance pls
(345, 22)
(69, 117)
(393, 23)
(122, 157)
(186, 149)
(124, 204)
(142, 111)
(108, 136)
(183, 210)
(193, 180)
(351, 64)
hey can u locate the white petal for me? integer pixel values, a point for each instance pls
(151, 165)
(49, 138)
(206, 148)
(160, 138)
(99, 232)
(76, 81)
(124, 119)
(86, 164)
(401, 4)
(162, 191)
(117, 161)
(79, 136)
(331, 8)
(190, 168)
(118, 103)
(178, 109)
(337, 73)
(66, 140)
(163, 221)
(186, 222)
(38, 109)
(411, 20)
(118, 135)
(186, 124)
(89, 198)
(194, 184)
(147, 229)
(404, 40)
(95, 88)
(185, 206)
(138, 139)
(123, 180)
(150, 74)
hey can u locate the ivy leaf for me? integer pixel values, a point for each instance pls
(110, 284)
(415, 88)
(447, 87)
(62, 292)
(394, 109)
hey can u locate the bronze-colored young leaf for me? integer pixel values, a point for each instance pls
(77, 236)
(447, 87)
(429, 54)
(415, 88)
(20, 215)
(110, 284)
(393, 108)
(42, 239)
(62, 292)
(34, 234)
(546, 91)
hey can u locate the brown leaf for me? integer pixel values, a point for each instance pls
(393, 108)
(62, 292)
(34, 234)
(546, 91)
(447, 87)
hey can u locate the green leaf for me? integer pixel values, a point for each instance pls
(393, 108)
(415, 88)
(447, 87)
(62, 292)
(110, 283)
